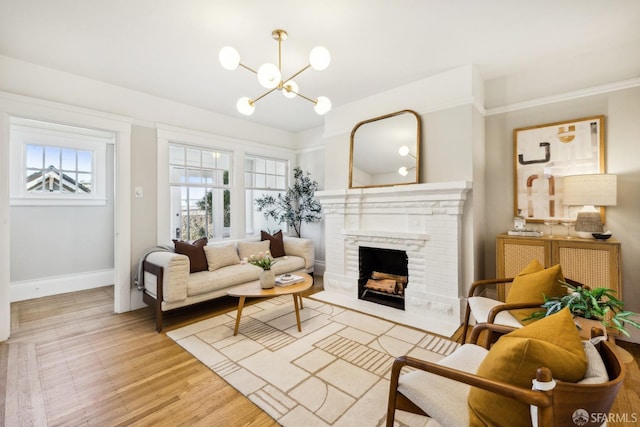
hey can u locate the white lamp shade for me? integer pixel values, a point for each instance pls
(403, 151)
(269, 75)
(290, 89)
(245, 106)
(323, 105)
(403, 171)
(590, 189)
(319, 58)
(229, 58)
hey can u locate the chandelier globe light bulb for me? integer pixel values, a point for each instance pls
(319, 58)
(290, 89)
(229, 58)
(403, 171)
(323, 105)
(403, 151)
(245, 106)
(269, 76)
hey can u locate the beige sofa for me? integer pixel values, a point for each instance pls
(168, 283)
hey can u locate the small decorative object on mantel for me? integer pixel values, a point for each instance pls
(587, 303)
(264, 261)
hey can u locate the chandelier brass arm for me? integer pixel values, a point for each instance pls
(270, 75)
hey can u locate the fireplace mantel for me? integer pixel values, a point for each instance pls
(422, 219)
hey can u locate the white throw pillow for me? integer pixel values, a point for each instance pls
(596, 370)
(246, 249)
(221, 256)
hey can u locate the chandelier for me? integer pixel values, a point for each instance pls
(270, 75)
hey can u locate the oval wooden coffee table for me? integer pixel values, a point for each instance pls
(253, 289)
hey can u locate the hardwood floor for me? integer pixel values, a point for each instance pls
(71, 362)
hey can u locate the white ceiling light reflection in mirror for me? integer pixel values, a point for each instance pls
(385, 151)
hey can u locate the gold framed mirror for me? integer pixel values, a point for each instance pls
(385, 151)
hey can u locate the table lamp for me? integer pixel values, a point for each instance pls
(589, 191)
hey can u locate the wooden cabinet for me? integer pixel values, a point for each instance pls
(594, 263)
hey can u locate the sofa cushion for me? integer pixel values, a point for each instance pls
(277, 243)
(221, 256)
(246, 249)
(531, 284)
(232, 275)
(552, 342)
(195, 252)
(288, 264)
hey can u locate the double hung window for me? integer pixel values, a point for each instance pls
(263, 177)
(200, 187)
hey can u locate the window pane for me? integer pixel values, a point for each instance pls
(68, 159)
(260, 181)
(193, 157)
(34, 156)
(52, 157)
(224, 160)
(193, 176)
(260, 166)
(176, 155)
(280, 184)
(208, 177)
(69, 180)
(177, 175)
(271, 181)
(209, 159)
(84, 161)
(85, 183)
(34, 180)
(280, 168)
(271, 166)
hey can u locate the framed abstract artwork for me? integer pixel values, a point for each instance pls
(543, 154)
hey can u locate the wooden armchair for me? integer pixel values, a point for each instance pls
(441, 391)
(488, 310)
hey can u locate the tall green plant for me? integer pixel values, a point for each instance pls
(296, 206)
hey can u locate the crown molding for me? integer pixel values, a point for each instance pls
(567, 96)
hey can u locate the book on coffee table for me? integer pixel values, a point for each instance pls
(288, 279)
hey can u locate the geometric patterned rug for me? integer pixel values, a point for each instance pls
(333, 373)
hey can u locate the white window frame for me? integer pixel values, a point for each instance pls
(25, 132)
(227, 187)
(250, 211)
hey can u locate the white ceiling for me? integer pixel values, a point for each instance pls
(169, 48)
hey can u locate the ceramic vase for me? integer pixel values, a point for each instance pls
(267, 279)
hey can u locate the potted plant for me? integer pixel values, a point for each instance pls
(595, 304)
(264, 261)
(298, 205)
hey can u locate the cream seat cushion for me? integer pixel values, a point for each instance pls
(443, 399)
(481, 306)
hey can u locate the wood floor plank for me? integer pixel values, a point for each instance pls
(71, 361)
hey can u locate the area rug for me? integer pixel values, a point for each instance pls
(333, 373)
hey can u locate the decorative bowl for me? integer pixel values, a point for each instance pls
(601, 236)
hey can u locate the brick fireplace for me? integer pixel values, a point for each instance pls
(423, 220)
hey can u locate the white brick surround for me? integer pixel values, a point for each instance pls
(425, 220)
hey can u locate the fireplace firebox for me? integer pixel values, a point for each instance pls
(384, 276)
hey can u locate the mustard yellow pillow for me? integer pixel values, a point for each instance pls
(530, 285)
(552, 342)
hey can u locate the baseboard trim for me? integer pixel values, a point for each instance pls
(36, 288)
